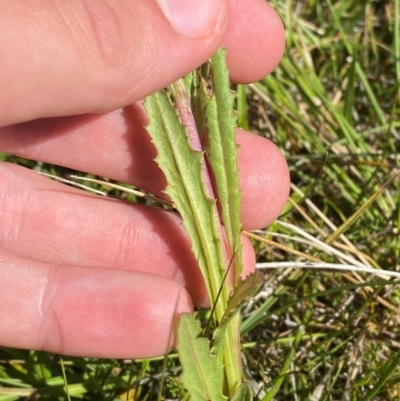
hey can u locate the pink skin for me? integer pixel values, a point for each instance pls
(80, 274)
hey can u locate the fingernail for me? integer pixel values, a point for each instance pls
(193, 18)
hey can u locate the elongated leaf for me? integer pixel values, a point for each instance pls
(217, 105)
(218, 101)
(182, 167)
(246, 288)
(182, 161)
(202, 376)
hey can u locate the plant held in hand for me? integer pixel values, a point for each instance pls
(190, 123)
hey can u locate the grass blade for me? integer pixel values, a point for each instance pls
(390, 368)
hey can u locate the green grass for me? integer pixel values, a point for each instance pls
(333, 107)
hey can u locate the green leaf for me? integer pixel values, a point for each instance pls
(218, 100)
(243, 393)
(242, 107)
(202, 376)
(245, 289)
(174, 133)
(182, 167)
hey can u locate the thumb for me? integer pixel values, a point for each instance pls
(62, 58)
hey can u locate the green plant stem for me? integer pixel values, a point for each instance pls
(232, 356)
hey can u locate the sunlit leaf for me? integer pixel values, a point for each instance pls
(245, 289)
(201, 376)
(218, 100)
(182, 167)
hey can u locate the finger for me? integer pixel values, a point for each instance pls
(93, 56)
(65, 58)
(117, 146)
(45, 220)
(263, 178)
(255, 40)
(94, 312)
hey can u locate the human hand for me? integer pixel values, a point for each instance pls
(84, 275)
